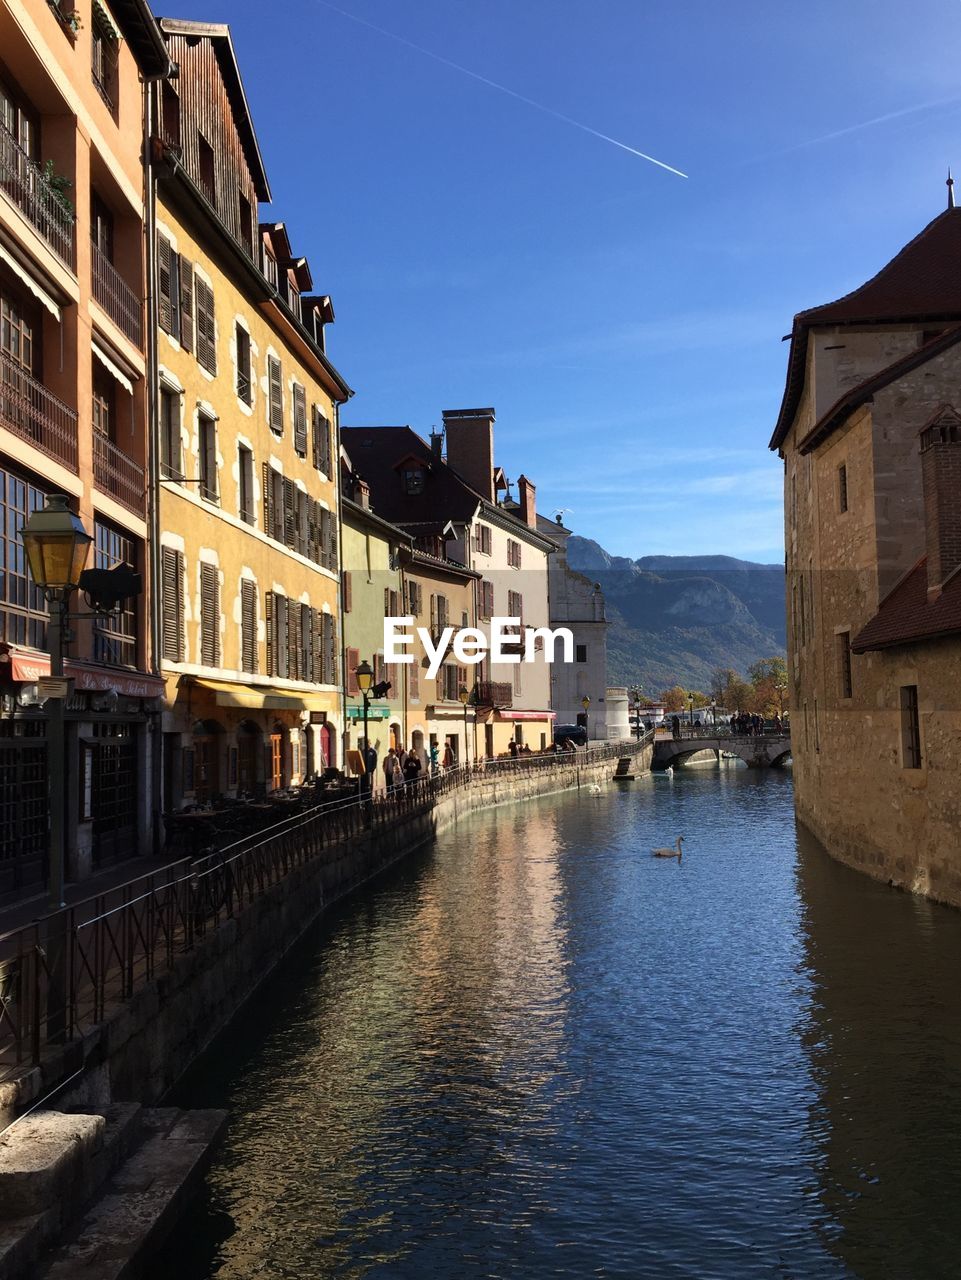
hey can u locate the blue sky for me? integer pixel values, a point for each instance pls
(624, 322)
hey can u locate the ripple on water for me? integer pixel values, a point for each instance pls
(538, 1051)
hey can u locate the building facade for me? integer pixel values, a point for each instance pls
(870, 434)
(73, 417)
(247, 454)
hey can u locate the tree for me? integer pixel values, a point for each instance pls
(674, 699)
(769, 678)
(773, 669)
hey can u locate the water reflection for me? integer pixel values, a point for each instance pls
(537, 1051)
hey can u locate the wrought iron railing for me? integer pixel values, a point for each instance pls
(32, 412)
(26, 184)
(115, 296)
(118, 475)
(65, 972)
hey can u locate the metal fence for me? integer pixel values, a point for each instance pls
(30, 189)
(60, 975)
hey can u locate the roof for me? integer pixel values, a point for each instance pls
(922, 282)
(906, 616)
(143, 35)
(865, 391)
(353, 511)
(374, 453)
(219, 35)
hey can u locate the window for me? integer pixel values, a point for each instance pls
(413, 480)
(248, 626)
(206, 325)
(103, 391)
(293, 299)
(172, 591)
(415, 598)
(207, 451)
(842, 488)
(299, 397)
(209, 615)
(168, 301)
(450, 682)
(103, 55)
(413, 687)
(275, 395)
(244, 390)
(515, 605)
(486, 600)
(170, 114)
(322, 445)
(17, 322)
(517, 679)
(23, 609)
(580, 653)
(910, 728)
(270, 267)
(513, 553)
(246, 223)
(245, 470)
(482, 539)
(277, 634)
(171, 457)
(391, 603)
(439, 614)
(206, 170)
(23, 126)
(115, 633)
(185, 273)
(843, 640)
(101, 226)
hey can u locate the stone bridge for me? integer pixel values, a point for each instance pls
(762, 752)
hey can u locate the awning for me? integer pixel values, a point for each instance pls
(106, 17)
(527, 715)
(249, 697)
(112, 367)
(27, 666)
(37, 289)
(373, 713)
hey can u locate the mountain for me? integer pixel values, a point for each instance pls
(674, 619)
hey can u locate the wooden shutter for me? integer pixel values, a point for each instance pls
(186, 304)
(206, 326)
(348, 590)
(248, 624)
(165, 289)
(353, 662)
(414, 669)
(330, 649)
(210, 615)
(172, 573)
(300, 420)
(290, 514)
(270, 621)
(306, 642)
(275, 395)
(303, 523)
(281, 643)
(293, 640)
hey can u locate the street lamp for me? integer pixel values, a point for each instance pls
(585, 703)
(365, 679)
(464, 696)
(56, 545)
(714, 713)
(691, 714)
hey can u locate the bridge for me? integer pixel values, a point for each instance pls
(765, 751)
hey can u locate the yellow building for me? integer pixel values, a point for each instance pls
(247, 449)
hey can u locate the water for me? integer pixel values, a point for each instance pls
(537, 1051)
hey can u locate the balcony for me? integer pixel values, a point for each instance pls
(24, 182)
(490, 693)
(30, 411)
(115, 296)
(118, 475)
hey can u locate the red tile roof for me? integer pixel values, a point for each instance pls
(905, 615)
(922, 282)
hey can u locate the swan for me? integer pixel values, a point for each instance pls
(669, 852)
(594, 789)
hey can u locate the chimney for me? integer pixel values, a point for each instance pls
(525, 498)
(437, 443)
(941, 478)
(470, 447)
(361, 492)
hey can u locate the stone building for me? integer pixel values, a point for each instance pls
(247, 451)
(576, 602)
(73, 417)
(870, 434)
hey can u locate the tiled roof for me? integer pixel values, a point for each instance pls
(906, 616)
(374, 453)
(922, 282)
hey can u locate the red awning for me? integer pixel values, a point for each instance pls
(28, 666)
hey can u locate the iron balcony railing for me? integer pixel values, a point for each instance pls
(32, 412)
(490, 693)
(118, 475)
(115, 296)
(24, 182)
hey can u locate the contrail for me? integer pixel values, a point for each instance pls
(865, 124)
(502, 88)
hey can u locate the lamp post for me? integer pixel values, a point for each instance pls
(464, 695)
(585, 703)
(365, 679)
(691, 711)
(56, 544)
(714, 714)
(780, 699)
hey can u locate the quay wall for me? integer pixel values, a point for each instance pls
(145, 1044)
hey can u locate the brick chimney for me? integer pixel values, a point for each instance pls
(526, 500)
(941, 478)
(437, 443)
(361, 492)
(470, 447)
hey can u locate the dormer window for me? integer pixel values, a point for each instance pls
(413, 479)
(293, 299)
(270, 267)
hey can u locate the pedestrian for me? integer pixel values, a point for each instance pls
(449, 758)
(411, 768)
(390, 759)
(512, 749)
(434, 757)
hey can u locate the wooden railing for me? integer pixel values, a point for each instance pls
(116, 297)
(32, 412)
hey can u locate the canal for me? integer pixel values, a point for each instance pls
(537, 1051)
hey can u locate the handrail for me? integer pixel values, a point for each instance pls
(116, 297)
(116, 474)
(26, 184)
(35, 414)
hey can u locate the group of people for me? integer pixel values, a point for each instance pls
(751, 725)
(400, 766)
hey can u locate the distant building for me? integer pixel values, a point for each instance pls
(578, 604)
(870, 433)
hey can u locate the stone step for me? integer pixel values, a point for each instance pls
(142, 1200)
